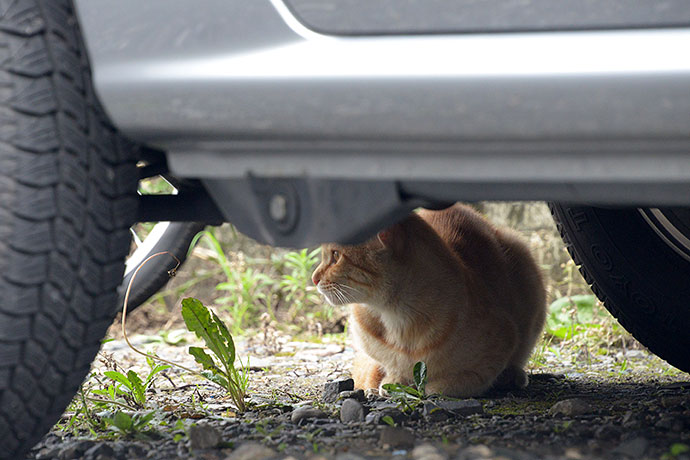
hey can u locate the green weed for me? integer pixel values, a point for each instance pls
(569, 316)
(407, 397)
(207, 326)
(246, 291)
(295, 283)
(131, 385)
(137, 425)
(675, 451)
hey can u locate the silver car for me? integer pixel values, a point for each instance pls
(303, 121)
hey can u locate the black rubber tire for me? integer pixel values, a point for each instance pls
(67, 199)
(154, 275)
(643, 282)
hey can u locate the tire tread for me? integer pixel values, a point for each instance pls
(67, 199)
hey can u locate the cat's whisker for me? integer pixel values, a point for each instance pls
(331, 289)
(344, 296)
(350, 288)
(348, 297)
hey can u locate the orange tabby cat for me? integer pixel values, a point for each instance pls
(443, 287)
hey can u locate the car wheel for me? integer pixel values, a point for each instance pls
(172, 237)
(638, 264)
(67, 199)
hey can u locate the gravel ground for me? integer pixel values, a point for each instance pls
(627, 404)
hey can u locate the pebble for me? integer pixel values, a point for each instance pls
(101, 451)
(635, 447)
(75, 450)
(396, 438)
(349, 456)
(47, 453)
(463, 407)
(352, 411)
(475, 453)
(251, 451)
(571, 407)
(306, 413)
(668, 423)
(434, 413)
(203, 436)
(353, 394)
(607, 432)
(331, 390)
(376, 417)
(428, 452)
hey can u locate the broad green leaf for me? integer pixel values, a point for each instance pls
(420, 377)
(404, 390)
(388, 420)
(119, 377)
(137, 386)
(198, 320)
(122, 421)
(217, 378)
(229, 343)
(202, 358)
(140, 421)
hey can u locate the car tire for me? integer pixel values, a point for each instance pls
(67, 199)
(172, 237)
(640, 277)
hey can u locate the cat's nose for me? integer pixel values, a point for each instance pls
(315, 279)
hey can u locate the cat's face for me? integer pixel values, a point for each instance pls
(348, 274)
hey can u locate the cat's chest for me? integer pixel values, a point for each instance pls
(387, 347)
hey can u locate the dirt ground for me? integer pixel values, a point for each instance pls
(627, 404)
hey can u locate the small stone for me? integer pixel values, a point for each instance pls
(464, 407)
(376, 417)
(352, 411)
(635, 447)
(48, 453)
(428, 452)
(479, 452)
(378, 405)
(251, 451)
(627, 417)
(571, 407)
(636, 354)
(673, 401)
(306, 413)
(665, 423)
(349, 456)
(203, 436)
(607, 432)
(331, 390)
(350, 394)
(433, 413)
(396, 438)
(134, 451)
(75, 450)
(100, 451)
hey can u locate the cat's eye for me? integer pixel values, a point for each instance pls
(335, 255)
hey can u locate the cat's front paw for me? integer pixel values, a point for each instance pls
(400, 380)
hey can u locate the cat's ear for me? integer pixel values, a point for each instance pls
(392, 238)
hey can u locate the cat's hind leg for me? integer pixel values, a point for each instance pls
(511, 377)
(461, 384)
